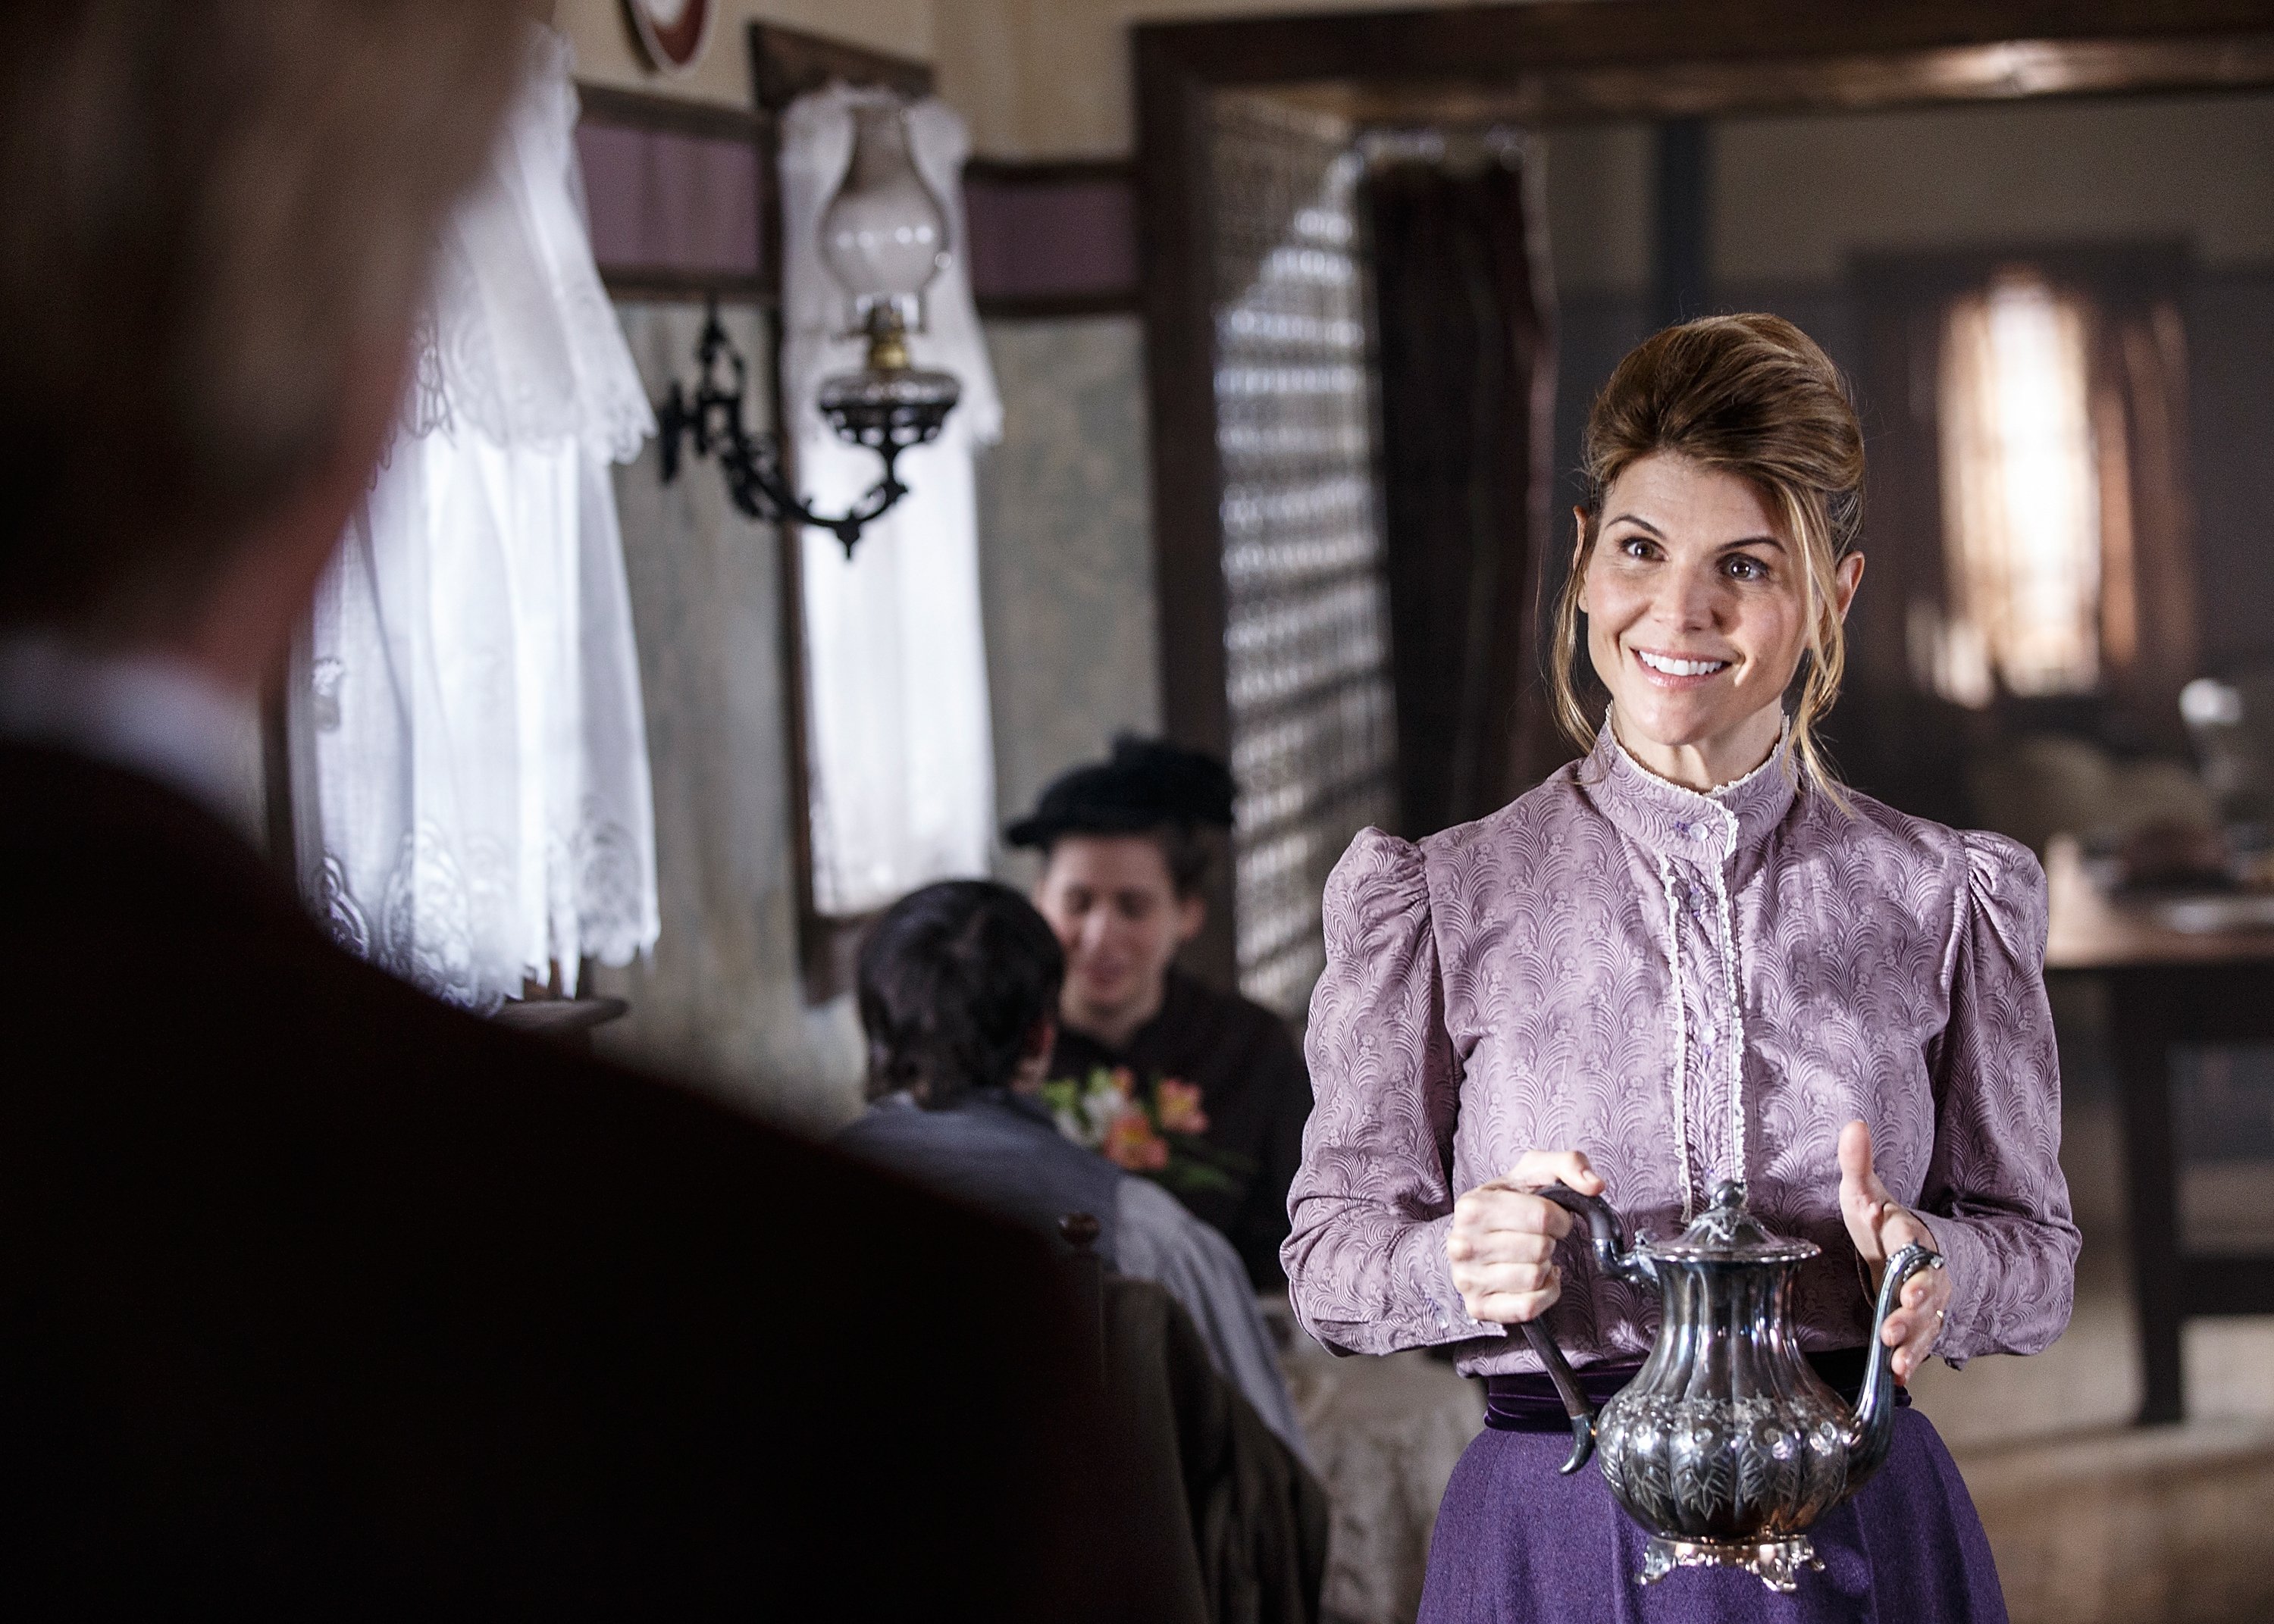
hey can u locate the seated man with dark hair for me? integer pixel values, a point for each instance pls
(318, 1297)
(959, 995)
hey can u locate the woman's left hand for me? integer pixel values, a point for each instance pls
(1881, 1226)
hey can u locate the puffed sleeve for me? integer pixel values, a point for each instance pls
(1994, 1193)
(1373, 1200)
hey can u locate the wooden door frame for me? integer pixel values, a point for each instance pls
(1559, 61)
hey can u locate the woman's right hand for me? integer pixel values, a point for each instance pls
(1503, 1242)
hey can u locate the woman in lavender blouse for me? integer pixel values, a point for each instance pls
(1691, 956)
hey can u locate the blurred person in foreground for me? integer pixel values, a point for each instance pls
(317, 1293)
(959, 995)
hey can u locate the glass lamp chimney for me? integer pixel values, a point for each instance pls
(884, 236)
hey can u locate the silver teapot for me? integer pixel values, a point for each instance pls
(1727, 1446)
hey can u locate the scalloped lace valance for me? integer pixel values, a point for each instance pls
(469, 705)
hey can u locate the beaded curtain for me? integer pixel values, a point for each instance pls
(1307, 624)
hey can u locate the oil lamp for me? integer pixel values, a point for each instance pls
(884, 238)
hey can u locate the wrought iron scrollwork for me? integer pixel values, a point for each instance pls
(888, 407)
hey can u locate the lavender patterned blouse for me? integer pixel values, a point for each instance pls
(1688, 987)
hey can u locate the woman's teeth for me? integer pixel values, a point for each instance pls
(1680, 667)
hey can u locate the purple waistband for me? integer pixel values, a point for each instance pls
(1528, 1404)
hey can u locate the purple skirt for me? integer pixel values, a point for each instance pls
(1516, 1543)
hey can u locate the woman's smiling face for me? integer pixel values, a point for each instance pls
(1696, 618)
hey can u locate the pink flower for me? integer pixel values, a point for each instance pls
(1124, 1081)
(1180, 1105)
(1130, 1142)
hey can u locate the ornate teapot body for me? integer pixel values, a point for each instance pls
(1727, 1446)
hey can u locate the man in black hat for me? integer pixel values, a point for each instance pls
(1125, 849)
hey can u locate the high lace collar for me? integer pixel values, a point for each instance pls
(1669, 820)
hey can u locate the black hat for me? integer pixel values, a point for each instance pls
(1146, 785)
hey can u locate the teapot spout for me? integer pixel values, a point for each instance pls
(1874, 1430)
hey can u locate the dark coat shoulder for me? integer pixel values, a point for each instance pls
(320, 1289)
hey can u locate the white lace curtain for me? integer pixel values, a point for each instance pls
(899, 753)
(472, 775)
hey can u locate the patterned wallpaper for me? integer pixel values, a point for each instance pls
(1066, 550)
(722, 1001)
(1067, 578)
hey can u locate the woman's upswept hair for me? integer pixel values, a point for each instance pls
(1755, 396)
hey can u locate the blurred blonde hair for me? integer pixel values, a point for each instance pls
(1754, 396)
(215, 212)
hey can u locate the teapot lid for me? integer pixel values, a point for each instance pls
(1726, 1233)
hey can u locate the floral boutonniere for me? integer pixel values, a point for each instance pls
(1154, 1129)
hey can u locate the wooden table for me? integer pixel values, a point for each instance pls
(2165, 986)
(569, 1022)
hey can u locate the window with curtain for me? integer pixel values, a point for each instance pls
(2022, 520)
(2057, 424)
(1463, 310)
(900, 752)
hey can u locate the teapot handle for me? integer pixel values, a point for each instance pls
(1568, 1389)
(1607, 1237)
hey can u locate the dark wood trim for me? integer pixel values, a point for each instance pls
(829, 952)
(1922, 275)
(797, 780)
(1051, 172)
(1053, 306)
(2152, 1008)
(569, 1022)
(2142, 1036)
(786, 63)
(1940, 77)
(1175, 252)
(1176, 273)
(640, 109)
(1681, 248)
(1484, 45)
(279, 810)
(2223, 1285)
(671, 284)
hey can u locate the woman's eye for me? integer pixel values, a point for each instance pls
(1744, 566)
(1635, 547)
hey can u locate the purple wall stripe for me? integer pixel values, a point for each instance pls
(666, 200)
(1047, 238)
(681, 211)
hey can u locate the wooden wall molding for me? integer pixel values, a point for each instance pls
(643, 109)
(1484, 45)
(786, 63)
